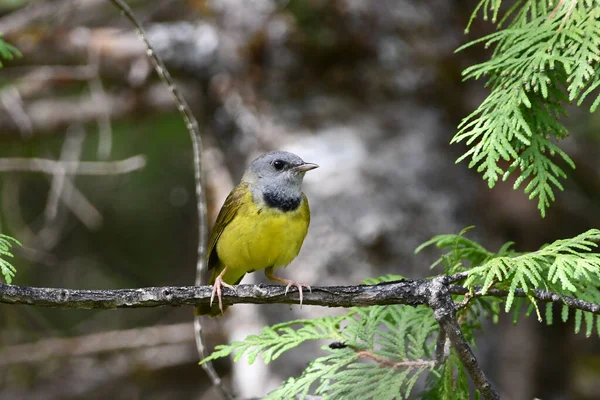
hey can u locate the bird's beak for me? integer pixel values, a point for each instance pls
(305, 167)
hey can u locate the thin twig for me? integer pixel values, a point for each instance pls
(541, 295)
(192, 127)
(387, 362)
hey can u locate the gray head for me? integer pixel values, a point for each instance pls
(275, 178)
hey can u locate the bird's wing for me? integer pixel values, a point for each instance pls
(226, 215)
(305, 209)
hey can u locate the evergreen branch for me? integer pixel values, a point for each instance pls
(275, 340)
(545, 57)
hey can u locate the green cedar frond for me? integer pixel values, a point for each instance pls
(384, 349)
(546, 56)
(568, 267)
(383, 357)
(318, 370)
(8, 51)
(277, 339)
(7, 270)
(460, 249)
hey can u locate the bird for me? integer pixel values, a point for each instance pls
(261, 225)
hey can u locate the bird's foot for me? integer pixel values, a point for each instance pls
(217, 290)
(299, 286)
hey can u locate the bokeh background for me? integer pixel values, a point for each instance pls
(370, 90)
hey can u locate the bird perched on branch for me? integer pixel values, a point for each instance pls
(261, 225)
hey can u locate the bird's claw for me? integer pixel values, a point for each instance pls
(299, 286)
(218, 291)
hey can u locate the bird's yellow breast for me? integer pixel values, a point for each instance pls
(260, 236)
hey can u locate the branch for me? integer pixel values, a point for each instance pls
(444, 311)
(541, 295)
(408, 292)
(404, 292)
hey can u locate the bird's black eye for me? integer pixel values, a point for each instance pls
(278, 164)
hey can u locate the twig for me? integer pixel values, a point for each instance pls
(456, 277)
(394, 364)
(192, 127)
(72, 167)
(541, 295)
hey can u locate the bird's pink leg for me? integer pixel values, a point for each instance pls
(217, 289)
(289, 283)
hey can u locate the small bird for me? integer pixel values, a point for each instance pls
(261, 225)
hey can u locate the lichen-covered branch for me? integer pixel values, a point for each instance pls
(404, 292)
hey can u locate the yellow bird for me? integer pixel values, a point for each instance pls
(261, 225)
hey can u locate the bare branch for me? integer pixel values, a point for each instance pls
(408, 292)
(404, 292)
(73, 167)
(444, 311)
